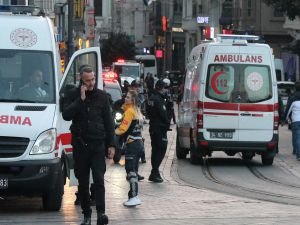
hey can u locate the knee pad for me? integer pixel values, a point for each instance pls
(132, 177)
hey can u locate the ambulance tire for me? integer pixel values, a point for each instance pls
(180, 152)
(52, 199)
(195, 158)
(267, 158)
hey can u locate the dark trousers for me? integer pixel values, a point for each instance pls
(159, 143)
(90, 156)
(132, 155)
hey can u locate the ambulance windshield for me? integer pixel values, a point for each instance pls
(127, 71)
(26, 76)
(236, 83)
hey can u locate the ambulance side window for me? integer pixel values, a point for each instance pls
(187, 86)
(195, 84)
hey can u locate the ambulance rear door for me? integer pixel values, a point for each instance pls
(220, 112)
(256, 93)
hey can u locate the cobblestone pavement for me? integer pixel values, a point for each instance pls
(171, 202)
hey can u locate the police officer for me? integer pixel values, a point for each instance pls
(92, 132)
(159, 125)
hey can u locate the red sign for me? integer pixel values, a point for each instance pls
(159, 53)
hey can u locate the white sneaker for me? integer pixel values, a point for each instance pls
(133, 202)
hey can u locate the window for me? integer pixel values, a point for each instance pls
(194, 15)
(187, 86)
(73, 76)
(257, 82)
(220, 82)
(249, 8)
(178, 6)
(27, 76)
(277, 13)
(98, 7)
(127, 71)
(148, 62)
(239, 83)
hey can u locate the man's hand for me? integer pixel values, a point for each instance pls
(83, 89)
(111, 152)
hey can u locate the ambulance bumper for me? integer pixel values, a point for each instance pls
(28, 177)
(238, 146)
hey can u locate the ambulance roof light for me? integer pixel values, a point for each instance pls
(222, 37)
(120, 60)
(21, 9)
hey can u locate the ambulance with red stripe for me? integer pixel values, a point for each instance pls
(35, 141)
(230, 101)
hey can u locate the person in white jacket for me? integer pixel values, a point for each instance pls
(292, 112)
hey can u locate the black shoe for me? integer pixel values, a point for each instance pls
(140, 177)
(86, 220)
(92, 201)
(77, 200)
(155, 178)
(102, 219)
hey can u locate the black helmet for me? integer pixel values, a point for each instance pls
(159, 85)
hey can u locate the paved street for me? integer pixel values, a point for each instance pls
(172, 202)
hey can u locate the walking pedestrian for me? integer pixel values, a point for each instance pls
(92, 134)
(131, 127)
(293, 112)
(159, 125)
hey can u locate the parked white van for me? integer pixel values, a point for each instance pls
(35, 142)
(230, 101)
(150, 65)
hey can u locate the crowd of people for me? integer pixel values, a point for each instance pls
(94, 135)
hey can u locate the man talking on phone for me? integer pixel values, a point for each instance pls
(92, 134)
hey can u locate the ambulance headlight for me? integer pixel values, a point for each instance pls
(45, 143)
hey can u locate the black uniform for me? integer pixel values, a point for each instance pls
(159, 125)
(92, 132)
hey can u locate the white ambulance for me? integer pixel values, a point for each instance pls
(35, 142)
(230, 101)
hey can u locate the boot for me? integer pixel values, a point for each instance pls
(102, 219)
(86, 220)
(155, 178)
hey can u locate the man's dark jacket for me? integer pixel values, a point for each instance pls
(91, 118)
(156, 110)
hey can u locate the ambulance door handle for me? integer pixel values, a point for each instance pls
(245, 114)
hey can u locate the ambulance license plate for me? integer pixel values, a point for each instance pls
(221, 134)
(3, 183)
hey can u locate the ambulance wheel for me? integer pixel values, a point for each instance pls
(195, 159)
(267, 158)
(53, 198)
(180, 152)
